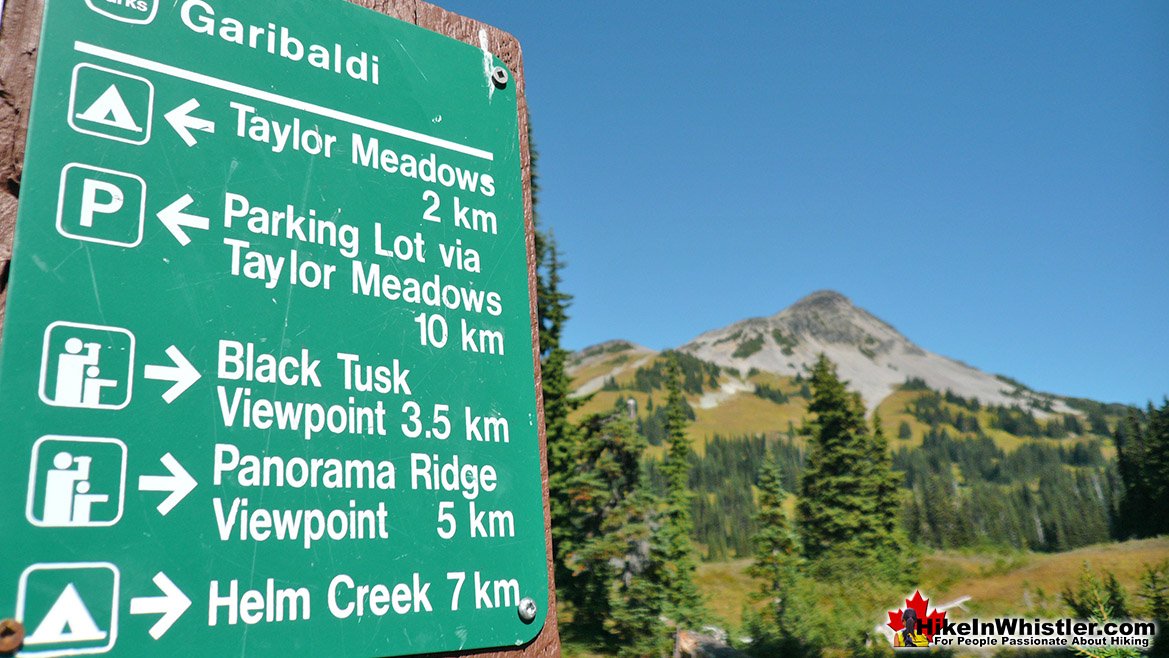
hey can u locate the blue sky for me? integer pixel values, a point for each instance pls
(990, 178)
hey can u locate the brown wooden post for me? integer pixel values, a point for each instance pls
(19, 38)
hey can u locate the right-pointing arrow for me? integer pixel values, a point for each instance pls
(172, 604)
(182, 373)
(175, 220)
(181, 120)
(179, 483)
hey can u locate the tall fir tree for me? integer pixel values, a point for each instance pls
(1143, 460)
(885, 532)
(563, 438)
(848, 503)
(684, 603)
(1129, 456)
(551, 313)
(1157, 468)
(776, 562)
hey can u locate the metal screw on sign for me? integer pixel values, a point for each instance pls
(527, 609)
(499, 77)
(11, 635)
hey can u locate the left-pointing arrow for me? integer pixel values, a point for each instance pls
(182, 373)
(179, 483)
(175, 220)
(181, 120)
(171, 605)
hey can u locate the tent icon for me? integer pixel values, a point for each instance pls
(110, 104)
(67, 621)
(72, 608)
(109, 109)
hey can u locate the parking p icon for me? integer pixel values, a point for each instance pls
(101, 205)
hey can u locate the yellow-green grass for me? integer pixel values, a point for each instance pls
(783, 382)
(739, 415)
(1030, 583)
(603, 401)
(997, 582)
(769, 378)
(726, 587)
(605, 367)
(893, 411)
(745, 414)
(591, 372)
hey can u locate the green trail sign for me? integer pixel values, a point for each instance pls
(266, 378)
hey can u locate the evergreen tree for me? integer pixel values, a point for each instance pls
(616, 569)
(636, 585)
(1129, 456)
(1156, 469)
(551, 314)
(603, 484)
(848, 498)
(1101, 600)
(1154, 592)
(1143, 461)
(883, 486)
(776, 557)
(1094, 597)
(682, 596)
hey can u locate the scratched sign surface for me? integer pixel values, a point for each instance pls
(266, 377)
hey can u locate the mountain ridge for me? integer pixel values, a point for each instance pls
(870, 353)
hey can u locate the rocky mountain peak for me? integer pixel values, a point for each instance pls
(821, 300)
(830, 318)
(872, 355)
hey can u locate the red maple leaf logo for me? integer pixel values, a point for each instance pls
(930, 623)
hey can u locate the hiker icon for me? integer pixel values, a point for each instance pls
(77, 481)
(78, 384)
(87, 366)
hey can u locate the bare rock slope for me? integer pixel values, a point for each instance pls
(605, 360)
(873, 356)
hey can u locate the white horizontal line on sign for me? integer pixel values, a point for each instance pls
(233, 87)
